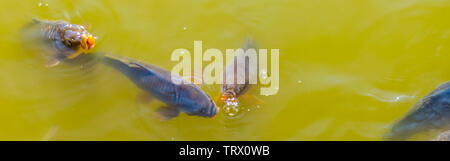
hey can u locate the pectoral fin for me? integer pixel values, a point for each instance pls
(445, 136)
(36, 21)
(166, 113)
(87, 25)
(74, 55)
(144, 97)
(252, 99)
(52, 62)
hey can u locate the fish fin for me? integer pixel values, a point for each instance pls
(166, 113)
(36, 21)
(191, 79)
(443, 85)
(445, 136)
(250, 43)
(74, 55)
(52, 62)
(253, 99)
(136, 65)
(87, 25)
(144, 97)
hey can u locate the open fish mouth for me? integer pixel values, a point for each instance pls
(87, 42)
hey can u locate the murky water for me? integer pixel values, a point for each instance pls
(348, 68)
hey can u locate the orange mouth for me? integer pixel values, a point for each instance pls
(88, 42)
(228, 99)
(225, 97)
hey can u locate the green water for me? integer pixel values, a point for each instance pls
(348, 68)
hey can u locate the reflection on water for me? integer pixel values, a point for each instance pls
(386, 96)
(347, 69)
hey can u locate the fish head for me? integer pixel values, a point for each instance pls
(77, 38)
(194, 101)
(228, 96)
(209, 109)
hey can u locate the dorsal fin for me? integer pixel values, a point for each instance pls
(443, 85)
(136, 65)
(36, 21)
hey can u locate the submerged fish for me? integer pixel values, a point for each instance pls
(156, 82)
(231, 92)
(58, 40)
(430, 113)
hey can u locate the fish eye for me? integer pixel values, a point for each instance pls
(68, 43)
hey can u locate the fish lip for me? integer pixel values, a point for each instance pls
(213, 109)
(208, 111)
(88, 42)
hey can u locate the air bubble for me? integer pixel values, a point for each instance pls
(231, 107)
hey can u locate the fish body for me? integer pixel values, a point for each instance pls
(231, 92)
(187, 98)
(431, 113)
(58, 40)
